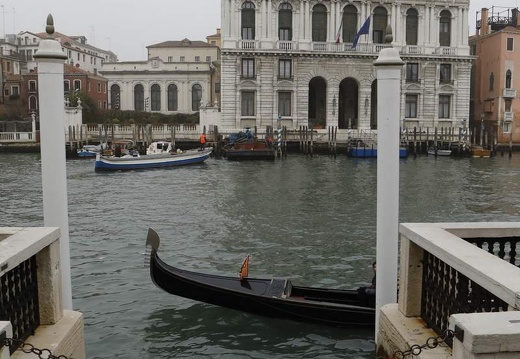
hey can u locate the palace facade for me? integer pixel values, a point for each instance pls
(306, 62)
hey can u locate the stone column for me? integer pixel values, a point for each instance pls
(388, 72)
(50, 61)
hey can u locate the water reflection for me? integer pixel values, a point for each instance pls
(200, 330)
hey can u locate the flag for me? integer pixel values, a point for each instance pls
(339, 32)
(244, 270)
(362, 31)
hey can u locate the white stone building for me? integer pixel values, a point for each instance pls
(177, 78)
(295, 60)
(79, 52)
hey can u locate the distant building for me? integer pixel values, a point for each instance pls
(176, 78)
(76, 81)
(79, 52)
(301, 62)
(496, 45)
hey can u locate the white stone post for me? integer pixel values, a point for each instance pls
(388, 72)
(50, 60)
(33, 126)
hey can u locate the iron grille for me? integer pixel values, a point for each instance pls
(19, 299)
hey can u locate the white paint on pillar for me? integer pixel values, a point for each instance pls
(388, 73)
(50, 59)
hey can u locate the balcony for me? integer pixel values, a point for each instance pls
(508, 116)
(508, 92)
(412, 50)
(247, 44)
(444, 50)
(286, 45)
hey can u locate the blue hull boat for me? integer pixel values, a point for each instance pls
(189, 157)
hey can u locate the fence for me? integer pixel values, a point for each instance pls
(452, 272)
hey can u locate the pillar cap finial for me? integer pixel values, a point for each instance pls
(49, 48)
(389, 36)
(50, 25)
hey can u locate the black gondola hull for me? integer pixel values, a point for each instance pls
(268, 297)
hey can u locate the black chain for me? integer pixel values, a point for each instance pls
(431, 343)
(29, 348)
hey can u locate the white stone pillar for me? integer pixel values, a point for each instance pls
(388, 72)
(270, 20)
(50, 60)
(308, 20)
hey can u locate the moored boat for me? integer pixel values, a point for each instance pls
(89, 150)
(479, 151)
(439, 151)
(361, 149)
(269, 297)
(166, 159)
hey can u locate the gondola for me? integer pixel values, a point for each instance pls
(277, 298)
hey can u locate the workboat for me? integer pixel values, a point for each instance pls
(439, 151)
(135, 161)
(278, 298)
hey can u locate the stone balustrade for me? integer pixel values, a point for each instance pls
(30, 267)
(476, 270)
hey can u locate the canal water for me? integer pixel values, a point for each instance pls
(311, 219)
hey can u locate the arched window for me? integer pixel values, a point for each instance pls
(319, 23)
(285, 22)
(445, 28)
(380, 22)
(156, 97)
(172, 98)
(412, 26)
(349, 23)
(33, 103)
(139, 97)
(508, 79)
(248, 21)
(115, 93)
(196, 96)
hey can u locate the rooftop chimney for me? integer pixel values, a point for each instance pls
(484, 27)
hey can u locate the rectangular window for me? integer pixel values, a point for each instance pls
(29, 55)
(170, 58)
(510, 44)
(248, 103)
(32, 86)
(197, 58)
(445, 74)
(411, 106)
(284, 103)
(208, 59)
(285, 69)
(248, 68)
(217, 87)
(247, 33)
(285, 34)
(14, 91)
(412, 72)
(444, 106)
(77, 85)
(79, 58)
(99, 87)
(507, 127)
(66, 86)
(183, 59)
(508, 105)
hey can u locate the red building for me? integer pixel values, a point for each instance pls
(76, 80)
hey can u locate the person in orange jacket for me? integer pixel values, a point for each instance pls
(202, 140)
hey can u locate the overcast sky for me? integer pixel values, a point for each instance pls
(126, 27)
